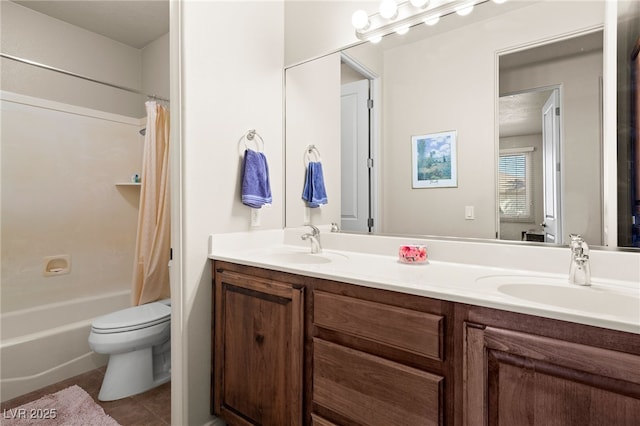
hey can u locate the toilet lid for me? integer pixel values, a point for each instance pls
(133, 318)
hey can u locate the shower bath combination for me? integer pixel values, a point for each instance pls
(137, 339)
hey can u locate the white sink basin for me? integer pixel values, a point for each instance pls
(582, 299)
(298, 256)
(596, 299)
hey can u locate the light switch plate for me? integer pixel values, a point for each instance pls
(469, 213)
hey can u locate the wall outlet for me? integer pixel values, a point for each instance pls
(255, 218)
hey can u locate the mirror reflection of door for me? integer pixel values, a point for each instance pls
(356, 153)
(522, 202)
(550, 153)
(551, 168)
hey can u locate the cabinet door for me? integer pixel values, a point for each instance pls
(513, 378)
(258, 351)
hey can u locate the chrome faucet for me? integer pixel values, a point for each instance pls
(314, 237)
(579, 270)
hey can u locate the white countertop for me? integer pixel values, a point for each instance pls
(493, 273)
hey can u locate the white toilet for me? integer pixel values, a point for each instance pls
(138, 342)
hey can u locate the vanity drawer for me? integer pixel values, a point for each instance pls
(406, 329)
(374, 391)
(319, 421)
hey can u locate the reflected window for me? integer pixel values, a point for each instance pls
(515, 187)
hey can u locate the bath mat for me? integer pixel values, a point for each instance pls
(69, 407)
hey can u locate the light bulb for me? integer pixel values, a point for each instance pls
(375, 39)
(432, 20)
(389, 9)
(419, 3)
(360, 20)
(464, 9)
(402, 30)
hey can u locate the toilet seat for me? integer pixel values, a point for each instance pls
(138, 342)
(134, 318)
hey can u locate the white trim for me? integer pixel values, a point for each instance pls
(496, 142)
(610, 126)
(18, 98)
(357, 66)
(517, 150)
(552, 39)
(179, 365)
(375, 149)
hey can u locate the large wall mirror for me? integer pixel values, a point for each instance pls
(520, 85)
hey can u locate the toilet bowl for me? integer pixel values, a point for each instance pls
(138, 342)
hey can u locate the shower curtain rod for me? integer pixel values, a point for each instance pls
(73, 74)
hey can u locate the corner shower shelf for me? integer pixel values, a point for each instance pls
(128, 184)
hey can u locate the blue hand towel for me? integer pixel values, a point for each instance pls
(314, 192)
(256, 190)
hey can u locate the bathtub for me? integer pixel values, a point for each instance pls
(46, 344)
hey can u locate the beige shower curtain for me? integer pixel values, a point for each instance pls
(153, 242)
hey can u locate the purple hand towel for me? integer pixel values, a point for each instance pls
(314, 192)
(256, 189)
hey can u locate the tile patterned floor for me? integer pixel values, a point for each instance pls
(152, 408)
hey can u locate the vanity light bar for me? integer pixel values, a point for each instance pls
(407, 15)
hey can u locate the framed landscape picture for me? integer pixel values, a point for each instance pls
(434, 160)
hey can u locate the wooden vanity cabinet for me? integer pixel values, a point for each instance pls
(258, 355)
(514, 374)
(294, 350)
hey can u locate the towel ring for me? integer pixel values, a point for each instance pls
(311, 150)
(250, 136)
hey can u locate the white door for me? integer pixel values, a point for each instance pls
(551, 169)
(354, 158)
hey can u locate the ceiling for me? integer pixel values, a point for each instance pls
(135, 23)
(521, 114)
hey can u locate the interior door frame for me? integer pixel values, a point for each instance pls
(375, 185)
(355, 186)
(557, 167)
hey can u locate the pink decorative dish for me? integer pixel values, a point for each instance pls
(413, 253)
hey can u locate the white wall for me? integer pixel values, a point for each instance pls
(313, 91)
(37, 37)
(232, 81)
(60, 164)
(155, 67)
(315, 28)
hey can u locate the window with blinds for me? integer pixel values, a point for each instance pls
(515, 188)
